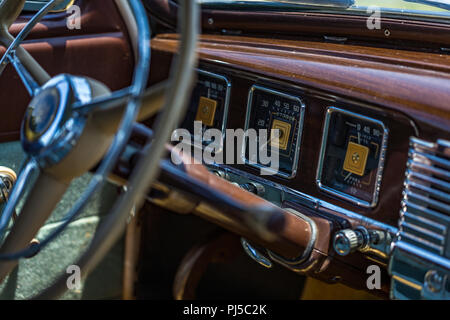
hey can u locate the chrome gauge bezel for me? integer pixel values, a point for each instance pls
(379, 175)
(227, 97)
(223, 128)
(299, 131)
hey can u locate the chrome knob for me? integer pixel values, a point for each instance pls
(255, 188)
(347, 241)
(7, 179)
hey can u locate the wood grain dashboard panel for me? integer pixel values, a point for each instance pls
(417, 84)
(407, 91)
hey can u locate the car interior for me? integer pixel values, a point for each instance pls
(223, 149)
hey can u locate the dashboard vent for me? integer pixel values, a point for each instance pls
(425, 214)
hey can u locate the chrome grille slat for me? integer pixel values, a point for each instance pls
(424, 200)
(430, 158)
(420, 242)
(420, 211)
(441, 148)
(425, 216)
(427, 169)
(424, 222)
(420, 177)
(440, 195)
(428, 235)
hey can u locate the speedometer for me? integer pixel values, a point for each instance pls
(269, 110)
(352, 156)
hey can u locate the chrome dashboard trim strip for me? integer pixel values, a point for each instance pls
(310, 201)
(323, 147)
(408, 282)
(299, 133)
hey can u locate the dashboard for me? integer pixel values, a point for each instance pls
(330, 149)
(338, 158)
(342, 159)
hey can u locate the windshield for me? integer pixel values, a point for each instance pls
(412, 8)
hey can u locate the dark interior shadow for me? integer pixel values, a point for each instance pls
(9, 291)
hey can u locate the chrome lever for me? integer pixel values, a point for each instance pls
(256, 255)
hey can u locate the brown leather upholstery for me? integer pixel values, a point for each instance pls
(100, 49)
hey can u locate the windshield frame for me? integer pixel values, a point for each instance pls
(277, 6)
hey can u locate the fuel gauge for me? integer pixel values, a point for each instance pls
(352, 156)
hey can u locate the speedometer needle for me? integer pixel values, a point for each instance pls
(348, 176)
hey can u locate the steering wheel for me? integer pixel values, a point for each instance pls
(72, 123)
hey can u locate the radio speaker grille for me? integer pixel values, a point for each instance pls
(420, 264)
(425, 214)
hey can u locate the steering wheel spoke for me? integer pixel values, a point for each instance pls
(28, 169)
(108, 110)
(33, 214)
(28, 80)
(30, 72)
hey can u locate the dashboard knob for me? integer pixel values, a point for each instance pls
(254, 188)
(347, 241)
(7, 179)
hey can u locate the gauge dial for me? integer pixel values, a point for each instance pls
(209, 104)
(272, 110)
(352, 156)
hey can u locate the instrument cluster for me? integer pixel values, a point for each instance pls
(352, 149)
(351, 152)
